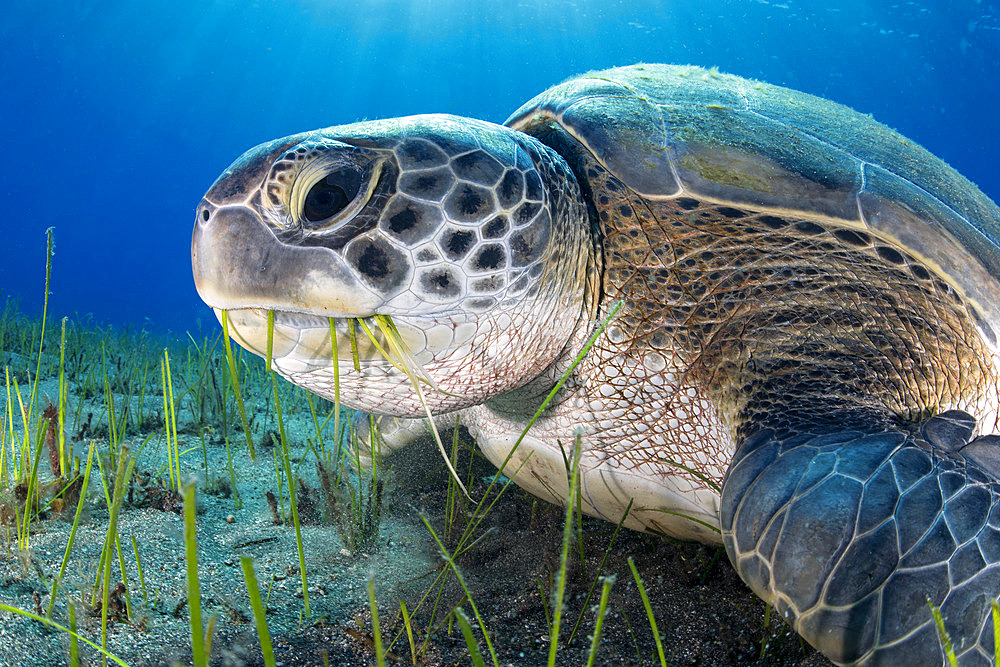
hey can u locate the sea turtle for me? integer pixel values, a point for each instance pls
(808, 319)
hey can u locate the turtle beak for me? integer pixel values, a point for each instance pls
(238, 262)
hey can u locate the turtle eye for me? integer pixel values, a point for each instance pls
(331, 195)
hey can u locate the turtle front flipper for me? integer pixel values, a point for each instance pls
(849, 532)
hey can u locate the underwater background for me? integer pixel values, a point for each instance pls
(117, 116)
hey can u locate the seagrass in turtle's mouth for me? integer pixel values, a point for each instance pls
(302, 340)
(364, 362)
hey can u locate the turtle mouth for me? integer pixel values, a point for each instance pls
(302, 341)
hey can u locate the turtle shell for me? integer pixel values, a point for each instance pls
(669, 131)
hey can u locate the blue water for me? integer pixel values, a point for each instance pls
(117, 116)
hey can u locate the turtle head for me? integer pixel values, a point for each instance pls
(471, 236)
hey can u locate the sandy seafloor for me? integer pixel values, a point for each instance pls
(705, 614)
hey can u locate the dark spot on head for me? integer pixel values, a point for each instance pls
(528, 244)
(456, 244)
(420, 154)
(603, 200)
(402, 221)
(490, 258)
(511, 189)
(920, 272)
(468, 202)
(625, 210)
(853, 238)
(521, 249)
(773, 222)
(478, 167)
(730, 212)
(432, 184)
(409, 220)
(488, 285)
(427, 255)
(525, 212)
(687, 203)
(439, 282)
(495, 228)
(809, 228)
(890, 255)
(205, 215)
(380, 265)
(373, 262)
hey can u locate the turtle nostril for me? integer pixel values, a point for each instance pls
(205, 215)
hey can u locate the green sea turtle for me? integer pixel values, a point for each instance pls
(809, 314)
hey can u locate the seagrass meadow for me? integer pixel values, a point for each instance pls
(168, 501)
